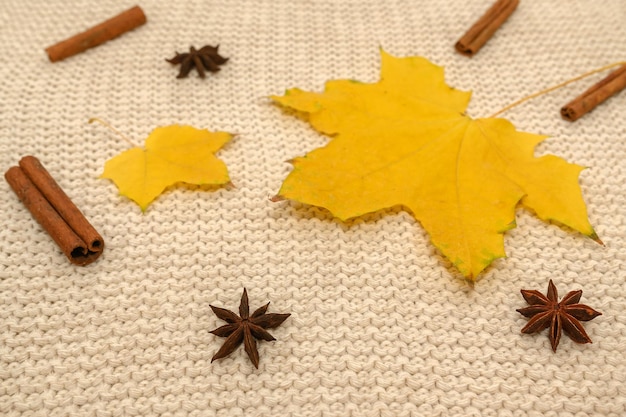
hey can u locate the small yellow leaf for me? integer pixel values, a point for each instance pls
(405, 140)
(171, 154)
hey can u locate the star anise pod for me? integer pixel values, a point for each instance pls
(245, 328)
(204, 58)
(547, 311)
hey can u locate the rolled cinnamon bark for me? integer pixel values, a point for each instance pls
(485, 27)
(56, 213)
(105, 31)
(598, 93)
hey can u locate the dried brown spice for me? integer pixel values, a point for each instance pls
(99, 34)
(485, 27)
(596, 95)
(54, 210)
(547, 311)
(245, 328)
(205, 58)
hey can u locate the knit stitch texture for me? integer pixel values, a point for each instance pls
(381, 324)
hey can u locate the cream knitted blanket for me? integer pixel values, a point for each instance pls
(381, 324)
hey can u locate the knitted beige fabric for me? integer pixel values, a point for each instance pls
(381, 324)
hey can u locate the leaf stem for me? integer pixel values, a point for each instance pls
(120, 134)
(556, 87)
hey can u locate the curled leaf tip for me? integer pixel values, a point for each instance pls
(596, 239)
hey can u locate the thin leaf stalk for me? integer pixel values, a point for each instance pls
(556, 87)
(114, 130)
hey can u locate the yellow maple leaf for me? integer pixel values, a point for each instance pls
(172, 154)
(405, 140)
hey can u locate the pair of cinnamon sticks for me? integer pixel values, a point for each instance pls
(54, 210)
(495, 16)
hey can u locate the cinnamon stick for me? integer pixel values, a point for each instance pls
(105, 31)
(485, 27)
(598, 93)
(54, 210)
